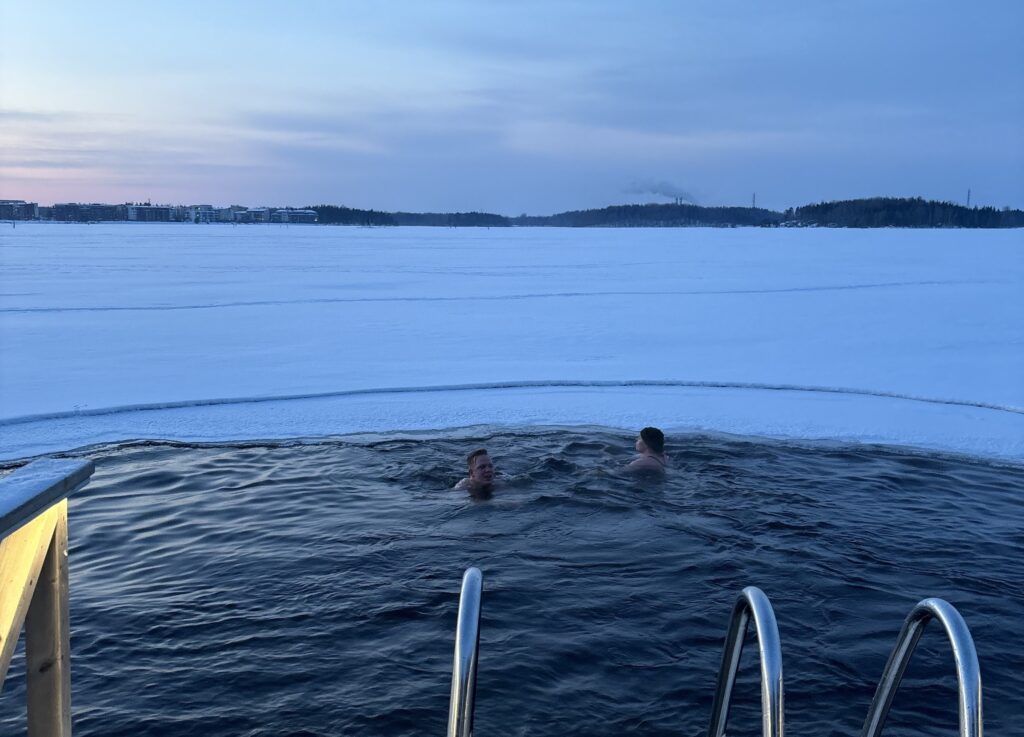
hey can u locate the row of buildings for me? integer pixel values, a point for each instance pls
(75, 212)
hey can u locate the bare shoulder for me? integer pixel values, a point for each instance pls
(462, 485)
(646, 464)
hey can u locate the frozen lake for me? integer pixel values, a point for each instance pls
(207, 333)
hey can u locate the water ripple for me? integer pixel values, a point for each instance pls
(272, 589)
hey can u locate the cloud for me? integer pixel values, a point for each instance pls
(33, 116)
(574, 140)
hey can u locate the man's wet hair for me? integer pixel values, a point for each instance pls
(653, 438)
(474, 455)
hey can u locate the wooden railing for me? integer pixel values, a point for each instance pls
(34, 585)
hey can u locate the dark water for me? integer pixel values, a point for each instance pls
(312, 589)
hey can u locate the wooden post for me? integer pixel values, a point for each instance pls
(48, 642)
(21, 556)
(34, 585)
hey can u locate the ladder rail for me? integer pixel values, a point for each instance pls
(751, 604)
(965, 657)
(467, 645)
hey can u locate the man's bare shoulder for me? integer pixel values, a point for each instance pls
(468, 484)
(646, 464)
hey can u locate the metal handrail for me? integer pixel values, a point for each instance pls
(467, 643)
(751, 602)
(968, 673)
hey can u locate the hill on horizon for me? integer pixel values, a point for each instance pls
(872, 212)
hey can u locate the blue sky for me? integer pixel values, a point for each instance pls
(508, 106)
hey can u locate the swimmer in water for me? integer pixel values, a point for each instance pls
(650, 444)
(481, 473)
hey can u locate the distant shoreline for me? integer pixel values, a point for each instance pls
(128, 223)
(877, 212)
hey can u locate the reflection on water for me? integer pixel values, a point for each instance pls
(312, 588)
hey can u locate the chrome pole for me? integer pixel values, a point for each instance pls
(751, 604)
(965, 657)
(467, 642)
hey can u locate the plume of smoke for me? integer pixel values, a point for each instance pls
(662, 189)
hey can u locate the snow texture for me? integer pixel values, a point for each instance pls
(216, 333)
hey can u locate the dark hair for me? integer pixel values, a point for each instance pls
(653, 438)
(474, 455)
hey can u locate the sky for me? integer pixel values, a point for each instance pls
(511, 107)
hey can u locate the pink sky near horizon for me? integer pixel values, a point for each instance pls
(533, 107)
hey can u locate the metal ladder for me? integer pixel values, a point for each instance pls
(965, 658)
(467, 643)
(751, 604)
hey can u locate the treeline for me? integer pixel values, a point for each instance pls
(334, 215)
(616, 216)
(656, 216)
(876, 212)
(452, 219)
(895, 212)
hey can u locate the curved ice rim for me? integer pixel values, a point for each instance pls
(502, 385)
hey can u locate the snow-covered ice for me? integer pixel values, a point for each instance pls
(207, 333)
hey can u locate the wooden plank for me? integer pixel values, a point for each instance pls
(33, 488)
(21, 558)
(48, 640)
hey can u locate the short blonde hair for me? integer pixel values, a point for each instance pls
(474, 455)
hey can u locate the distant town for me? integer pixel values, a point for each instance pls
(875, 212)
(144, 212)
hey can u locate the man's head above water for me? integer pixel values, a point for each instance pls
(650, 444)
(481, 469)
(653, 439)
